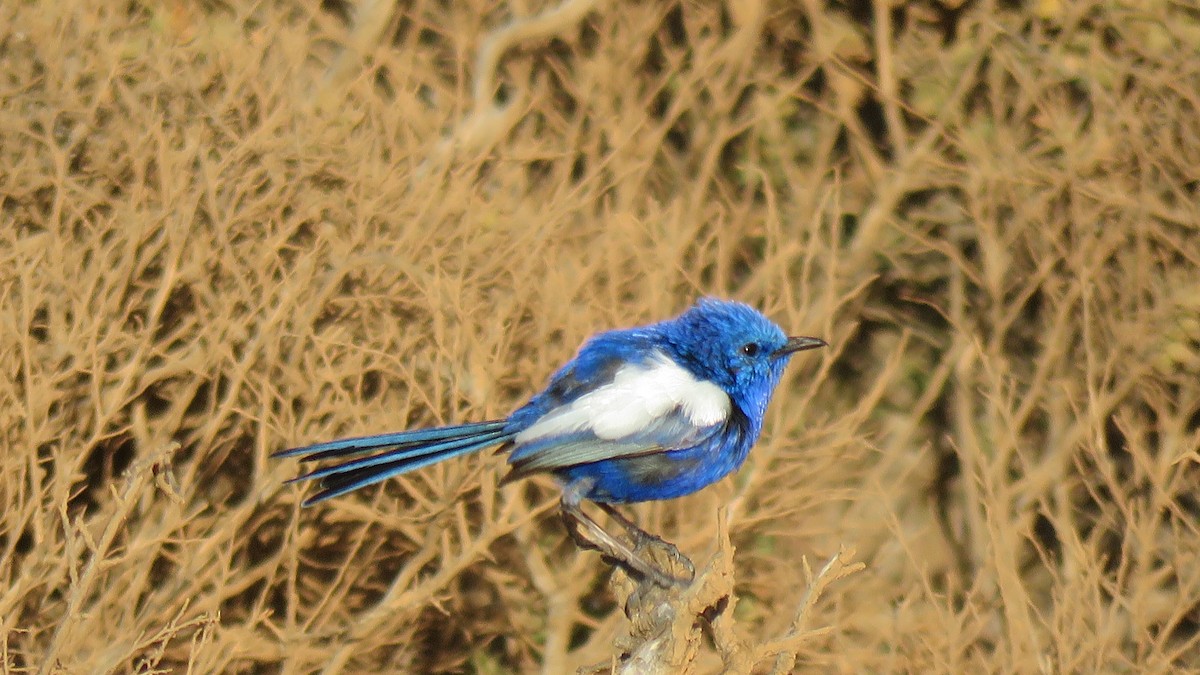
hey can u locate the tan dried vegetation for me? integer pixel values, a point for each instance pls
(226, 228)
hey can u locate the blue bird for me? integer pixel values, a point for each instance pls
(653, 412)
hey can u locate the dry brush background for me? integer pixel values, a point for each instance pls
(226, 228)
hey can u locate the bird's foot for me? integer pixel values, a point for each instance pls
(633, 559)
(645, 541)
(664, 567)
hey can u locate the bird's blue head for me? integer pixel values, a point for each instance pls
(734, 346)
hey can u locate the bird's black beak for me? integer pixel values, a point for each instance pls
(798, 344)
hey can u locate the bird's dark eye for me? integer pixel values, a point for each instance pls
(750, 348)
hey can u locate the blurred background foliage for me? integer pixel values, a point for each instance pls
(229, 227)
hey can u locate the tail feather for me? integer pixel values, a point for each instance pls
(412, 438)
(409, 453)
(405, 451)
(337, 484)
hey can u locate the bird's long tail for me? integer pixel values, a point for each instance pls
(405, 451)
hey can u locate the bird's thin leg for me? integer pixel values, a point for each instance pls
(641, 537)
(599, 539)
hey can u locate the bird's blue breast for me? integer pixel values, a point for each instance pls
(670, 474)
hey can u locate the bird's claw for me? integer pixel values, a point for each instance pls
(630, 559)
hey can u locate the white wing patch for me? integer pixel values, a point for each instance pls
(636, 397)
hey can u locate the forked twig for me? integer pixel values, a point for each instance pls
(490, 119)
(666, 623)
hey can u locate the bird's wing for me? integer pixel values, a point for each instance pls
(649, 406)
